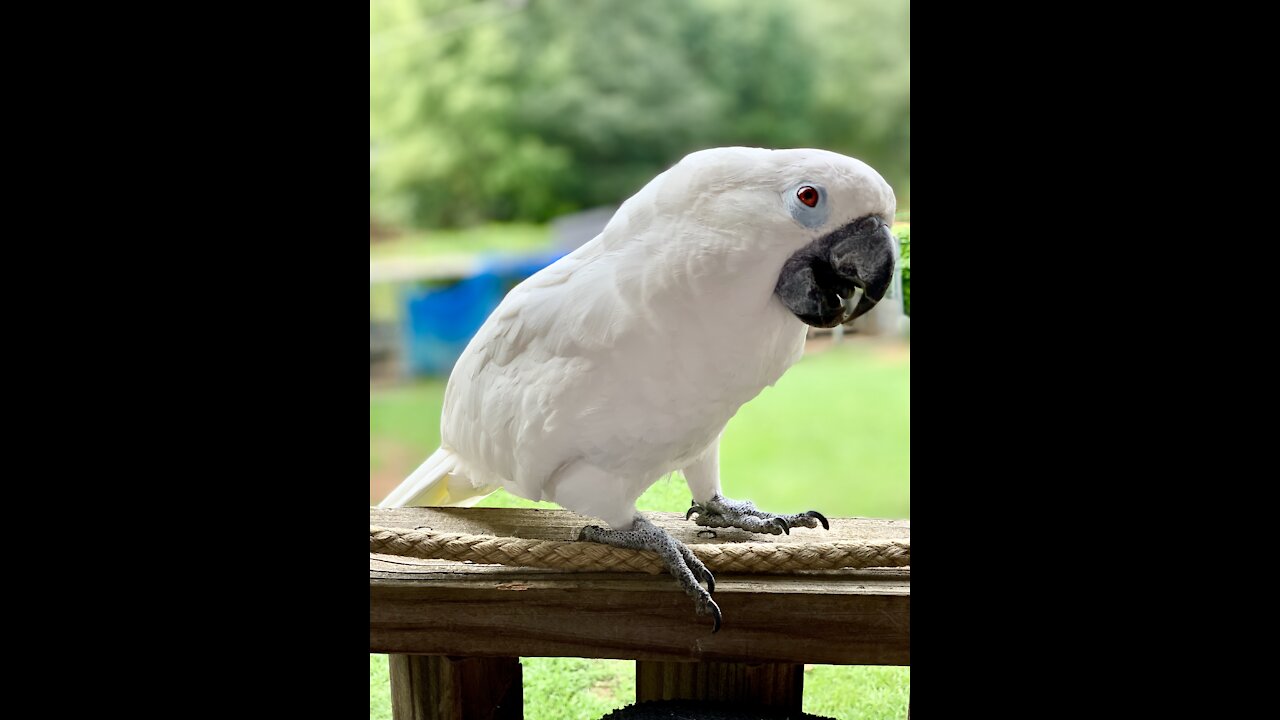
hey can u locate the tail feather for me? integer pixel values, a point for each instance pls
(430, 485)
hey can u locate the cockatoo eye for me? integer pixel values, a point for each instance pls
(806, 203)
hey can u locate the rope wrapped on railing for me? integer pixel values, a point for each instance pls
(594, 557)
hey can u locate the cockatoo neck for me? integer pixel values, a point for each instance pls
(713, 272)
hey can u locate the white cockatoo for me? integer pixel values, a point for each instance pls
(624, 360)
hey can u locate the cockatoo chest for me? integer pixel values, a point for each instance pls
(669, 407)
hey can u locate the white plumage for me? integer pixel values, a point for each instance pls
(624, 360)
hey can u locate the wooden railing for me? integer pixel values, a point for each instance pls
(456, 631)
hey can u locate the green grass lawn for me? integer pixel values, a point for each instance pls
(832, 435)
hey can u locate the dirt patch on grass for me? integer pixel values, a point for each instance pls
(395, 461)
(605, 689)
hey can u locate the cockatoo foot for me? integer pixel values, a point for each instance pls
(720, 511)
(682, 563)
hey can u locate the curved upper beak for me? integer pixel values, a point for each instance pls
(840, 275)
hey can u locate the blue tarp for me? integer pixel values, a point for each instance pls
(438, 322)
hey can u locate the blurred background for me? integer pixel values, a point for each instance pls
(504, 133)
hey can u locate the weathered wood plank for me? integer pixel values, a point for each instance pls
(447, 608)
(773, 684)
(425, 687)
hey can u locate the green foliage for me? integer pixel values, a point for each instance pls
(509, 110)
(904, 237)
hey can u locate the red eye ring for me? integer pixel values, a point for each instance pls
(807, 195)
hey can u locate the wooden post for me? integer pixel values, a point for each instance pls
(774, 684)
(435, 687)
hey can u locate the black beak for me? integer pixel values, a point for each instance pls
(839, 276)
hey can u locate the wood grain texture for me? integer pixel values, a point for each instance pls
(425, 687)
(773, 684)
(447, 608)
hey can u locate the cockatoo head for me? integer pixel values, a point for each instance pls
(821, 218)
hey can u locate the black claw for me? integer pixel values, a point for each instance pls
(692, 510)
(715, 611)
(786, 526)
(815, 514)
(711, 581)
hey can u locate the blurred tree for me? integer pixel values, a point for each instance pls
(611, 85)
(524, 109)
(863, 91)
